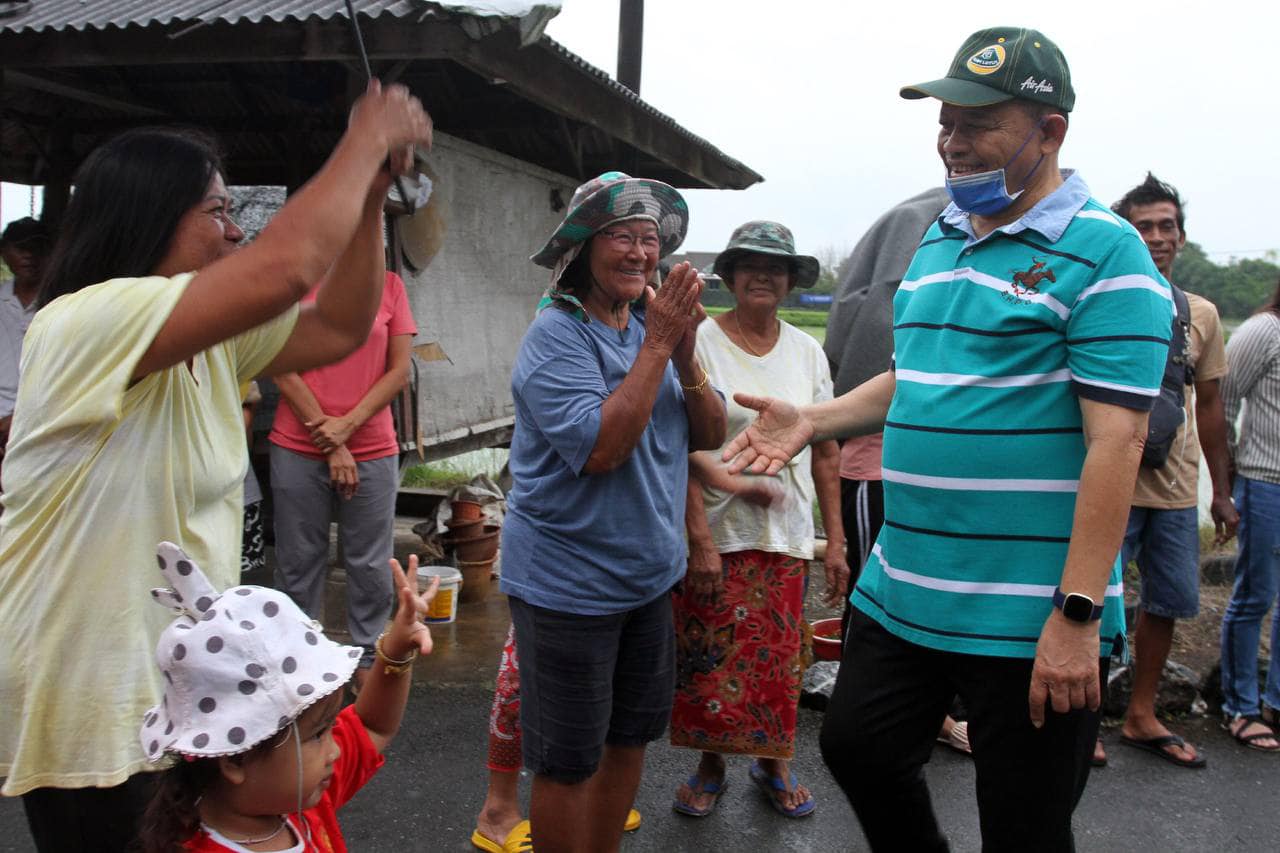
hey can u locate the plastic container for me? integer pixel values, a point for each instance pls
(444, 607)
(826, 639)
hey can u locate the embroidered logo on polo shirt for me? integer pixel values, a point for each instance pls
(987, 61)
(1027, 283)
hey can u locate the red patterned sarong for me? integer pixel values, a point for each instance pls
(504, 717)
(738, 661)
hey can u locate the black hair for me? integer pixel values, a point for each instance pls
(130, 194)
(1150, 191)
(172, 818)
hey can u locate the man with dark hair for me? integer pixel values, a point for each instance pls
(23, 246)
(1163, 533)
(1030, 335)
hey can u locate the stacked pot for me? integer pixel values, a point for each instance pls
(474, 542)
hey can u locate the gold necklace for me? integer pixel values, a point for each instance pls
(262, 839)
(743, 334)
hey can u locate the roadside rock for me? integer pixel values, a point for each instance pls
(1219, 569)
(1179, 689)
(819, 681)
(1211, 684)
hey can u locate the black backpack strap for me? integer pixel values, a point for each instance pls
(1180, 343)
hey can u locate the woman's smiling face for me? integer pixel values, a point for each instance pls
(622, 258)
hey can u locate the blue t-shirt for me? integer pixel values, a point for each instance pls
(590, 544)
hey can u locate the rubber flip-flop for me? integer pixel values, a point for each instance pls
(480, 841)
(633, 821)
(698, 786)
(519, 839)
(958, 738)
(1156, 746)
(770, 785)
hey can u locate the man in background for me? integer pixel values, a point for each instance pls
(1163, 533)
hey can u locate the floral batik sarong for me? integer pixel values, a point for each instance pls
(504, 716)
(738, 660)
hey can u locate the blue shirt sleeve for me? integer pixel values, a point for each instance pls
(559, 381)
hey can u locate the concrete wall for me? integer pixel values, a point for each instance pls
(477, 296)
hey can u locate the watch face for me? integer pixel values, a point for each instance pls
(1077, 607)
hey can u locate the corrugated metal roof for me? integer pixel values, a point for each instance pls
(50, 21)
(104, 14)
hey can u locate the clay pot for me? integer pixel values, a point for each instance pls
(472, 549)
(476, 579)
(465, 529)
(466, 510)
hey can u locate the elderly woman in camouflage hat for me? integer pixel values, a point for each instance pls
(739, 618)
(610, 397)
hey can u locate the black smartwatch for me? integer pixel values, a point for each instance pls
(1076, 606)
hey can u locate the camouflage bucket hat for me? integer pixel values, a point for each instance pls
(767, 238)
(609, 198)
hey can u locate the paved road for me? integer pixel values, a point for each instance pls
(425, 798)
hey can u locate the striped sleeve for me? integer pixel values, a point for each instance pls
(1251, 354)
(1119, 328)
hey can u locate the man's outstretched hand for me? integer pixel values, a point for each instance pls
(780, 432)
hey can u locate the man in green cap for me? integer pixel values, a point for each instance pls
(1030, 335)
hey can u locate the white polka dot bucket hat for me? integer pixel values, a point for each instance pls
(238, 666)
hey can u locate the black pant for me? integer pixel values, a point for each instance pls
(862, 511)
(888, 704)
(88, 820)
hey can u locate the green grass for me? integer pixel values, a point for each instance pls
(434, 476)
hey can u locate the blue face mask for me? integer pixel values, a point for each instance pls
(984, 193)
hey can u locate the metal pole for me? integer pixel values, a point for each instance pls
(630, 42)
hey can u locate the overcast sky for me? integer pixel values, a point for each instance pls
(806, 93)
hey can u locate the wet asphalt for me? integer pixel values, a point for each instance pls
(426, 797)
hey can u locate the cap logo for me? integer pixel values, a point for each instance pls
(1041, 87)
(987, 61)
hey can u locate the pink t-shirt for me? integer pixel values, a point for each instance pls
(339, 387)
(860, 457)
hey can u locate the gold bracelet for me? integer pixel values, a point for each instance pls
(697, 388)
(391, 666)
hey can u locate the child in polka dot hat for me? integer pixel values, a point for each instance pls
(252, 692)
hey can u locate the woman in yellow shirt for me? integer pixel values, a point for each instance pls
(126, 430)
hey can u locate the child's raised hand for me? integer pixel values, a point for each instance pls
(407, 628)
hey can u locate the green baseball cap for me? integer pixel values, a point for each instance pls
(999, 64)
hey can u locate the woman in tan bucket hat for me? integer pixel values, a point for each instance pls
(739, 620)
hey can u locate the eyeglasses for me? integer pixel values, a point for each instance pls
(624, 240)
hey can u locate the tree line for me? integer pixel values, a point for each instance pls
(1238, 287)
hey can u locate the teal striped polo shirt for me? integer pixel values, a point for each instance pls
(995, 339)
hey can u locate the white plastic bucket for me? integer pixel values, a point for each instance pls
(444, 607)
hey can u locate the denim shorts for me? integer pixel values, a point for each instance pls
(587, 681)
(1166, 544)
